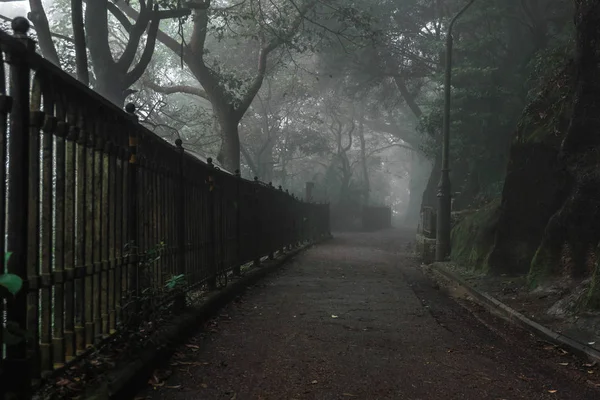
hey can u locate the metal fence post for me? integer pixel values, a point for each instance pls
(283, 244)
(271, 245)
(258, 234)
(132, 209)
(17, 365)
(289, 228)
(181, 228)
(238, 234)
(212, 241)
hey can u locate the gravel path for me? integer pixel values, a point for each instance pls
(356, 319)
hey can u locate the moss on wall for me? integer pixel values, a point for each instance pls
(473, 237)
(546, 117)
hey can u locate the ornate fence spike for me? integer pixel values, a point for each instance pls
(20, 27)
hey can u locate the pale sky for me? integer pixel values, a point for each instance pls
(15, 9)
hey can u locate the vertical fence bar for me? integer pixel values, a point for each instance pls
(90, 280)
(47, 226)
(212, 240)
(5, 106)
(103, 150)
(61, 293)
(132, 207)
(238, 225)
(70, 231)
(180, 209)
(111, 232)
(258, 239)
(17, 364)
(33, 229)
(120, 156)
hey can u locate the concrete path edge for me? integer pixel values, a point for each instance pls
(124, 381)
(513, 316)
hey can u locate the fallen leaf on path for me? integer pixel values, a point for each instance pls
(552, 391)
(204, 385)
(591, 343)
(192, 346)
(185, 363)
(591, 365)
(334, 316)
(173, 387)
(565, 364)
(590, 371)
(314, 382)
(63, 382)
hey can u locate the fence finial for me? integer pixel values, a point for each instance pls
(130, 108)
(20, 26)
(256, 179)
(179, 143)
(280, 188)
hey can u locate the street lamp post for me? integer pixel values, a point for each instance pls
(443, 223)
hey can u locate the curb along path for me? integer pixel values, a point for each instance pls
(514, 316)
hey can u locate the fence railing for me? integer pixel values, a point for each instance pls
(89, 194)
(375, 218)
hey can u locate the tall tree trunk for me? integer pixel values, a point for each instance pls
(229, 154)
(430, 194)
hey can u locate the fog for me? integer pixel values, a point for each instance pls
(326, 103)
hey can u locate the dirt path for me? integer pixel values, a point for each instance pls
(354, 319)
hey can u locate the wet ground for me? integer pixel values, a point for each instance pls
(356, 318)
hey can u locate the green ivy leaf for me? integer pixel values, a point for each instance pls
(11, 282)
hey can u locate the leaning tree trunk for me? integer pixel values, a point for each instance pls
(430, 194)
(229, 153)
(570, 241)
(420, 170)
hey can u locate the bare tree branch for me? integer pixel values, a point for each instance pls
(138, 70)
(81, 59)
(196, 91)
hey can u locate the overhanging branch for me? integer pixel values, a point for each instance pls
(196, 91)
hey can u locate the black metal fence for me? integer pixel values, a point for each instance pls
(89, 193)
(376, 218)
